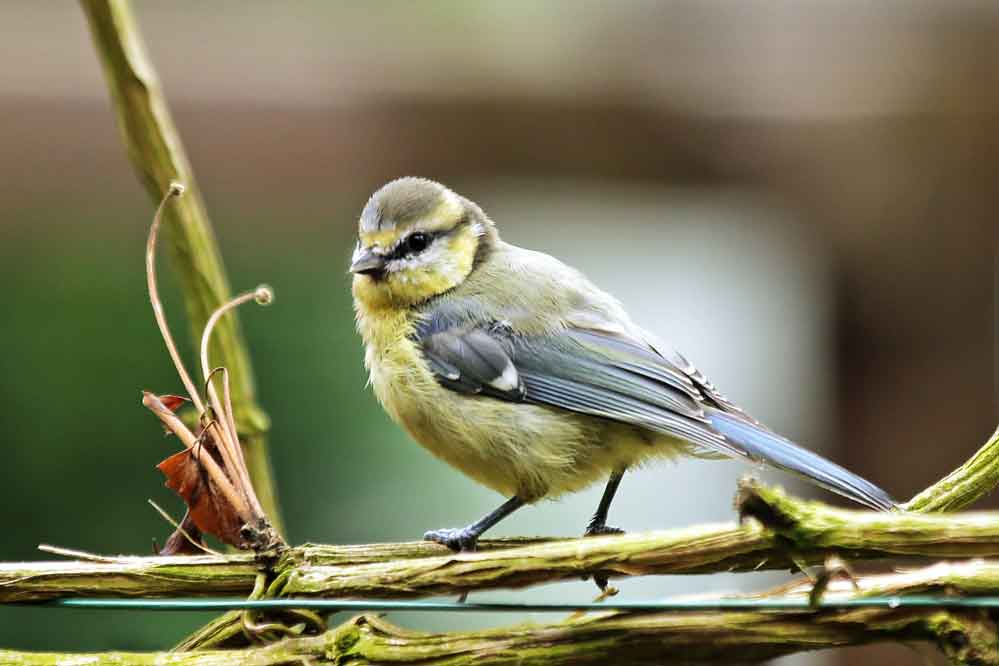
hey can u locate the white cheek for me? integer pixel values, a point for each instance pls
(399, 268)
(449, 268)
(434, 256)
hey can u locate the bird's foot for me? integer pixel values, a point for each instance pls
(455, 538)
(601, 530)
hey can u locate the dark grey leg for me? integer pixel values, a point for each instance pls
(465, 538)
(598, 523)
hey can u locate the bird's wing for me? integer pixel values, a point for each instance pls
(582, 370)
(710, 394)
(610, 373)
(471, 360)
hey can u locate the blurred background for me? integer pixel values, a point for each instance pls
(798, 195)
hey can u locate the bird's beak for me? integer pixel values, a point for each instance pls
(367, 262)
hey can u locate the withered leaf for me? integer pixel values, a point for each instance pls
(173, 402)
(170, 403)
(179, 544)
(207, 508)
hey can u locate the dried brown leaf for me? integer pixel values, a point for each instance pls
(173, 402)
(180, 542)
(207, 508)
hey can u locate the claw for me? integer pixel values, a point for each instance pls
(597, 529)
(601, 530)
(457, 539)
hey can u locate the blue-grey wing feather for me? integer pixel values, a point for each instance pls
(470, 360)
(581, 371)
(618, 377)
(764, 445)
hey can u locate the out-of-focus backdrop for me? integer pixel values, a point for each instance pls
(799, 195)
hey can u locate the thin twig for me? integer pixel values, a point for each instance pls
(175, 190)
(167, 517)
(74, 554)
(230, 447)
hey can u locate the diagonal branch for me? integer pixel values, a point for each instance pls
(814, 525)
(157, 154)
(965, 485)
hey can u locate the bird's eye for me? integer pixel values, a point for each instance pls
(417, 242)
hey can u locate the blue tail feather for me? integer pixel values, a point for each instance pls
(760, 444)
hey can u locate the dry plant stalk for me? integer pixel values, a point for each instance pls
(210, 474)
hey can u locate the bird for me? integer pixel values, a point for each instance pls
(514, 368)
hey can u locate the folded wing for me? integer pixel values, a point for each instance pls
(612, 375)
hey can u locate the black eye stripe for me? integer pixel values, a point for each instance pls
(414, 243)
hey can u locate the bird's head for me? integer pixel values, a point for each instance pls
(416, 239)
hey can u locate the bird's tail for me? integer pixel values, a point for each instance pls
(760, 444)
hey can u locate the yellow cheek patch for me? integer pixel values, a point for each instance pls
(461, 249)
(401, 289)
(420, 285)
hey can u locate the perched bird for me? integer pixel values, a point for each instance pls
(517, 370)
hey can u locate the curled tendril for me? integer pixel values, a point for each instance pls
(174, 190)
(263, 295)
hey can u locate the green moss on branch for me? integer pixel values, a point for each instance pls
(808, 532)
(965, 485)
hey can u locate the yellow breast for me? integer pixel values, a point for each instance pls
(518, 448)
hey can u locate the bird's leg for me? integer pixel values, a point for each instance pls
(598, 523)
(465, 538)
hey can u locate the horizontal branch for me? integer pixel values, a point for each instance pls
(792, 532)
(816, 533)
(966, 635)
(128, 577)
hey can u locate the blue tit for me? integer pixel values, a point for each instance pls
(517, 370)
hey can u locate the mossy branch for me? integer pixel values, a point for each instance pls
(965, 635)
(157, 154)
(793, 532)
(965, 485)
(782, 533)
